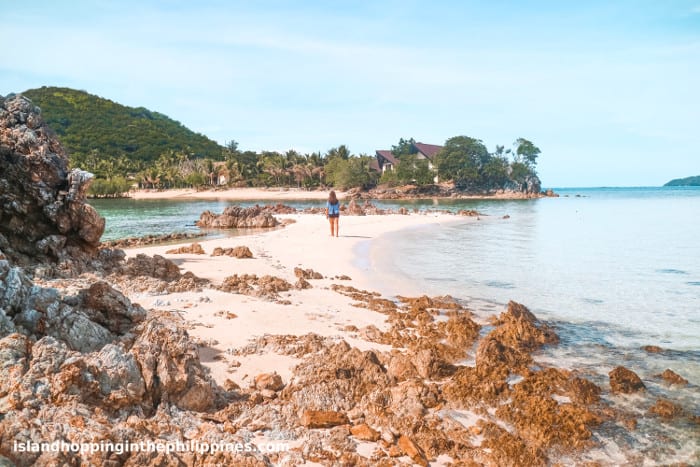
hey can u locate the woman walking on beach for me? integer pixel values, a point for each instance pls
(333, 212)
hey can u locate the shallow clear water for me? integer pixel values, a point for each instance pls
(611, 269)
(626, 261)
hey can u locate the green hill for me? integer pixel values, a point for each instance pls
(688, 181)
(92, 128)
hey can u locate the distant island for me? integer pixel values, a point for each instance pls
(687, 181)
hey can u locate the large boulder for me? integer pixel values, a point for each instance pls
(42, 201)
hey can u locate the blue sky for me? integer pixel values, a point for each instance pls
(609, 90)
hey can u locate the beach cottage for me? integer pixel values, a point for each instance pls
(387, 161)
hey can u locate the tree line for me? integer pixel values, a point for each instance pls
(128, 147)
(463, 160)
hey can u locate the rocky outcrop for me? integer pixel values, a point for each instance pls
(170, 366)
(237, 217)
(520, 329)
(154, 274)
(307, 273)
(623, 380)
(193, 249)
(666, 409)
(240, 252)
(86, 322)
(132, 242)
(43, 213)
(89, 361)
(323, 419)
(250, 284)
(152, 266)
(672, 377)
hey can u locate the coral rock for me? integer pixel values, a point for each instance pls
(520, 329)
(409, 448)
(625, 381)
(666, 409)
(307, 274)
(194, 249)
(240, 252)
(323, 418)
(673, 378)
(271, 381)
(365, 432)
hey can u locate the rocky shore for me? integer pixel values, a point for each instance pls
(260, 346)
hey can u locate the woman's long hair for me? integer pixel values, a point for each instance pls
(332, 198)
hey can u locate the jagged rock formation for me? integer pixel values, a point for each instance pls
(43, 214)
(236, 217)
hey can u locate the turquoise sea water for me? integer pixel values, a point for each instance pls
(624, 259)
(612, 269)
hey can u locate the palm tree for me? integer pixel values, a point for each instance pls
(300, 172)
(320, 172)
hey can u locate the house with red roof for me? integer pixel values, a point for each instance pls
(387, 161)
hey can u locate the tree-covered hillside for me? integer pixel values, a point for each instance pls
(688, 181)
(126, 147)
(92, 128)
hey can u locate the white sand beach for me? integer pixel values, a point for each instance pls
(241, 194)
(306, 243)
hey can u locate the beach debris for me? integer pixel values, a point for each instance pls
(194, 249)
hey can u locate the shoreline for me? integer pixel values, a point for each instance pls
(297, 194)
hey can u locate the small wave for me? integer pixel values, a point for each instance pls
(440, 279)
(499, 284)
(671, 271)
(593, 301)
(696, 283)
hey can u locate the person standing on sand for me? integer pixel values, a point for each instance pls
(333, 212)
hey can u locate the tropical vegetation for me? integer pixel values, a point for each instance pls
(128, 147)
